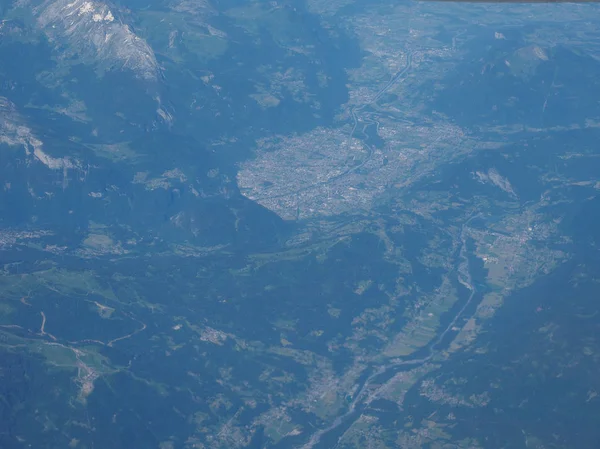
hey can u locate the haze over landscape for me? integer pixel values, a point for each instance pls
(299, 224)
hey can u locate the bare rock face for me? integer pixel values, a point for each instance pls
(92, 32)
(14, 132)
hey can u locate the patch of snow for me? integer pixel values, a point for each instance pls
(94, 36)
